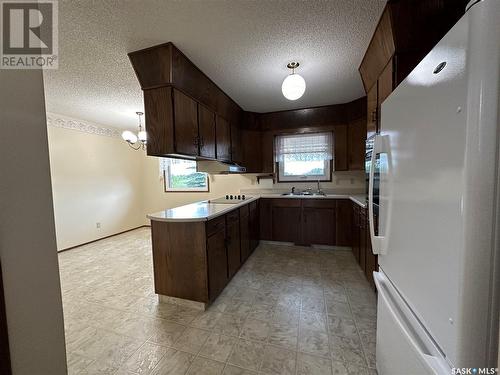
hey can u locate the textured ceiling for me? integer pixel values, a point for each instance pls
(242, 45)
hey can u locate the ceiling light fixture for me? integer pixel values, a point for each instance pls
(293, 86)
(132, 138)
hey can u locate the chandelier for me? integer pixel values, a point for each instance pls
(138, 141)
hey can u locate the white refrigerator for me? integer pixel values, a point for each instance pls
(439, 217)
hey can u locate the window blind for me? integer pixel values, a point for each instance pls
(304, 147)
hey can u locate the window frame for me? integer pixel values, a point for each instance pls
(298, 178)
(167, 189)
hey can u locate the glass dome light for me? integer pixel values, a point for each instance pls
(293, 86)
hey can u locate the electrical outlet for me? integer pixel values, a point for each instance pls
(98, 225)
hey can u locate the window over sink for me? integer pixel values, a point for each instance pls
(304, 157)
(181, 175)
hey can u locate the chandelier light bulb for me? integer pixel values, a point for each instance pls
(128, 136)
(143, 136)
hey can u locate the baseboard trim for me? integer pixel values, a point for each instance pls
(103, 238)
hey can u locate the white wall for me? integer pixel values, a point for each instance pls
(95, 179)
(27, 237)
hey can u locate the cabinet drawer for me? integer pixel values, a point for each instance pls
(319, 203)
(244, 211)
(233, 215)
(215, 225)
(283, 202)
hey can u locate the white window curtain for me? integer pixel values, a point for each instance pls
(304, 147)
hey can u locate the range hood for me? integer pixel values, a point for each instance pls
(217, 167)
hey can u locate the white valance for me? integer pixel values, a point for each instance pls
(304, 147)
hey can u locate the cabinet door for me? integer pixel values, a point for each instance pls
(266, 219)
(254, 225)
(371, 113)
(217, 264)
(159, 121)
(223, 133)
(318, 226)
(186, 124)
(206, 119)
(385, 83)
(245, 236)
(252, 150)
(236, 149)
(233, 243)
(343, 223)
(341, 152)
(357, 144)
(362, 240)
(355, 231)
(286, 224)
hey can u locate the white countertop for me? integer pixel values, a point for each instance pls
(204, 210)
(199, 211)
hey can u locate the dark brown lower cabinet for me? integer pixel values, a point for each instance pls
(361, 242)
(266, 219)
(196, 260)
(306, 221)
(286, 218)
(254, 224)
(217, 263)
(318, 222)
(245, 233)
(233, 242)
(355, 233)
(363, 234)
(343, 222)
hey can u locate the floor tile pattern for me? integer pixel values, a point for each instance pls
(289, 311)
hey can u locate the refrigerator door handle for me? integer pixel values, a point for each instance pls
(426, 353)
(381, 145)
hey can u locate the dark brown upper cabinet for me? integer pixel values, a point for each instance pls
(340, 148)
(206, 126)
(236, 148)
(158, 106)
(356, 144)
(372, 111)
(380, 50)
(406, 32)
(173, 89)
(223, 132)
(186, 124)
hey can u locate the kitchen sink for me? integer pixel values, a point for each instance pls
(304, 194)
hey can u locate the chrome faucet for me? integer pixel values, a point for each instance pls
(319, 192)
(293, 190)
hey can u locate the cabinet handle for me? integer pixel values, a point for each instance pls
(374, 115)
(195, 141)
